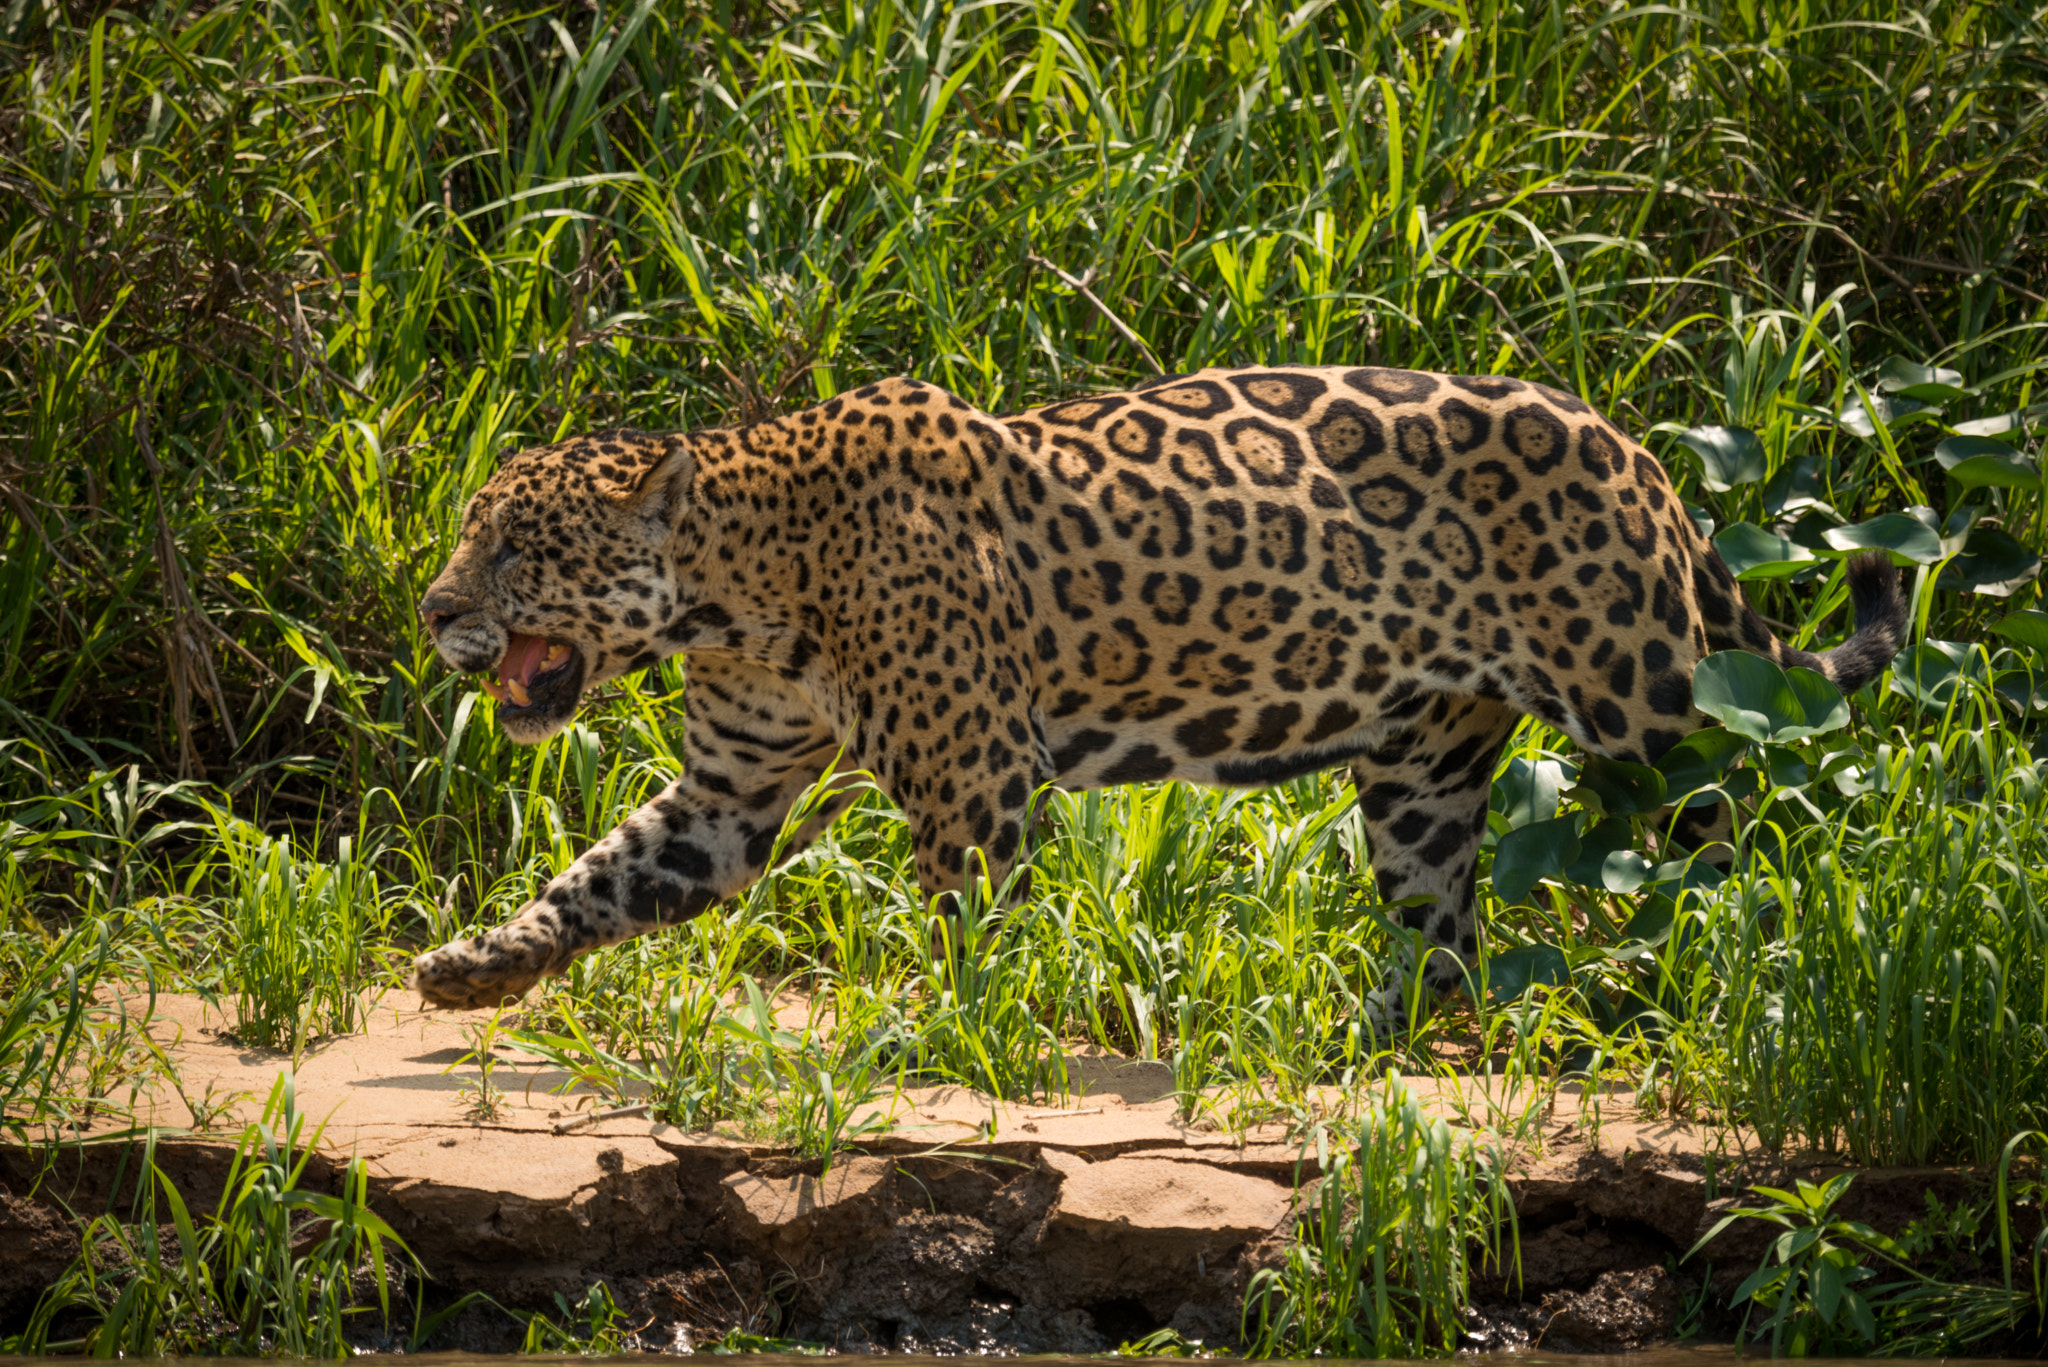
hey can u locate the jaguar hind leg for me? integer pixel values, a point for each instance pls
(1424, 795)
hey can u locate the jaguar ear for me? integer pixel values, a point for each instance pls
(663, 493)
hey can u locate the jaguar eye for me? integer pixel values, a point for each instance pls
(507, 553)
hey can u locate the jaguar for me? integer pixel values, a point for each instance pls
(1237, 576)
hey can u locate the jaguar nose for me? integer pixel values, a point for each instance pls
(439, 609)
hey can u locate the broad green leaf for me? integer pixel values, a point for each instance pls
(1931, 672)
(1529, 854)
(1617, 788)
(1689, 871)
(1754, 698)
(1992, 563)
(1512, 972)
(1975, 462)
(1825, 707)
(1906, 539)
(1787, 767)
(1999, 424)
(1728, 456)
(1753, 553)
(1701, 518)
(2023, 691)
(1738, 784)
(1930, 384)
(1745, 693)
(1997, 472)
(1652, 922)
(1950, 533)
(1811, 531)
(1796, 486)
(1527, 790)
(1883, 410)
(1950, 452)
(1699, 762)
(1624, 871)
(1596, 843)
(2028, 626)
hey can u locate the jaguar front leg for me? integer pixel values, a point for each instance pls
(708, 836)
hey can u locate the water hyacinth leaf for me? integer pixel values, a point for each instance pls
(1907, 540)
(1954, 531)
(1728, 456)
(1513, 972)
(1738, 784)
(1931, 672)
(1978, 462)
(1652, 922)
(1811, 531)
(1787, 767)
(1527, 790)
(2028, 626)
(2025, 692)
(1993, 563)
(1950, 452)
(1690, 873)
(1745, 693)
(1997, 472)
(1754, 698)
(1701, 518)
(1617, 788)
(2000, 424)
(1825, 707)
(1752, 553)
(1624, 871)
(1864, 417)
(1600, 840)
(1700, 762)
(1928, 383)
(1847, 757)
(1529, 854)
(1795, 487)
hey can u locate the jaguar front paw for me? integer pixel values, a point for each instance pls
(477, 974)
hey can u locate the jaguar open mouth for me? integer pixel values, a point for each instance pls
(533, 672)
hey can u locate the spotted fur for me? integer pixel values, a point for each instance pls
(1232, 577)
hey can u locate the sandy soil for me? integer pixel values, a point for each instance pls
(1061, 1225)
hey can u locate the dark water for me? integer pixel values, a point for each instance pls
(1716, 1356)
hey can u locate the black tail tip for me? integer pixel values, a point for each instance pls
(1874, 592)
(1881, 622)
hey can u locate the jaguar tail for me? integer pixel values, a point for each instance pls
(1881, 622)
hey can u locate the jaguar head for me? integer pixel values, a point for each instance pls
(565, 574)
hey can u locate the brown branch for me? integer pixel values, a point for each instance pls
(1953, 268)
(1509, 319)
(1080, 287)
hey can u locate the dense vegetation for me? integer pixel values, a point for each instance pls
(280, 282)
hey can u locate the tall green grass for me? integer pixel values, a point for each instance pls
(1382, 1269)
(284, 279)
(277, 1269)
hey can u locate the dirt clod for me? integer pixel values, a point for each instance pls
(36, 1243)
(1619, 1313)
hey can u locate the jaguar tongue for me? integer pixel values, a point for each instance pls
(523, 656)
